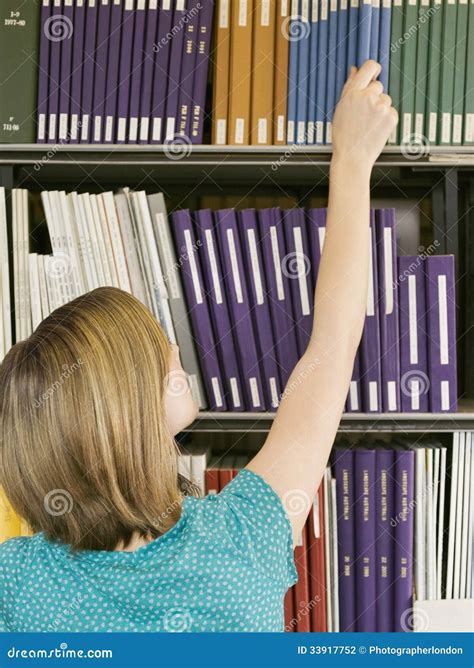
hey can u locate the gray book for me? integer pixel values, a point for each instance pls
(177, 302)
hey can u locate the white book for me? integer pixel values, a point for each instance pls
(63, 260)
(87, 203)
(429, 554)
(444, 617)
(470, 536)
(22, 222)
(420, 528)
(85, 258)
(69, 229)
(334, 565)
(106, 278)
(436, 472)
(55, 299)
(108, 250)
(452, 516)
(117, 242)
(35, 297)
(440, 535)
(85, 228)
(327, 550)
(45, 308)
(124, 216)
(55, 265)
(199, 461)
(5, 277)
(465, 516)
(459, 516)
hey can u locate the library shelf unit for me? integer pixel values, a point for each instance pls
(443, 174)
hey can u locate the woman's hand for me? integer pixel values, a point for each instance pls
(363, 120)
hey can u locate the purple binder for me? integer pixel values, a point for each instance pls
(414, 378)
(403, 533)
(201, 72)
(258, 294)
(343, 460)
(217, 300)
(43, 73)
(65, 72)
(151, 30)
(187, 251)
(239, 305)
(370, 343)
(273, 249)
(388, 308)
(188, 65)
(141, 16)
(125, 71)
(384, 514)
(441, 319)
(55, 30)
(87, 97)
(364, 527)
(75, 108)
(316, 226)
(160, 72)
(174, 71)
(117, 27)
(100, 75)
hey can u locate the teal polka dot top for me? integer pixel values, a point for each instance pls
(225, 566)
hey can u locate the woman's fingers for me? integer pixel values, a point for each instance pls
(375, 87)
(367, 73)
(386, 100)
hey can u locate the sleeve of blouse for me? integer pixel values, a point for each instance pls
(258, 525)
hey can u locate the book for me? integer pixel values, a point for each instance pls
(374, 31)
(142, 15)
(323, 41)
(43, 69)
(403, 534)
(333, 40)
(317, 581)
(75, 108)
(468, 122)
(242, 15)
(220, 100)
(148, 65)
(261, 112)
(56, 31)
(422, 51)
(365, 539)
(395, 67)
(460, 64)
(88, 67)
(435, 56)
(447, 73)
(188, 68)
(408, 74)
(384, 42)
(342, 46)
(280, 77)
(303, 73)
(301, 588)
(162, 51)
(100, 73)
(201, 72)
(5, 289)
(384, 514)
(363, 31)
(353, 22)
(125, 71)
(313, 62)
(293, 28)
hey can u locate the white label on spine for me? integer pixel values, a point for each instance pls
(224, 14)
(443, 320)
(322, 236)
(85, 127)
(242, 13)
(166, 5)
(446, 127)
(74, 126)
(156, 130)
(319, 132)
(221, 131)
(140, 4)
(97, 128)
(370, 287)
(193, 267)
(445, 395)
(314, 11)
(52, 126)
(63, 126)
(265, 16)
(234, 388)
(277, 263)
(294, 9)
(170, 124)
(373, 398)
(415, 394)
(457, 128)
(255, 266)
(239, 130)
(68, 3)
(153, 4)
(80, 3)
(144, 128)
(300, 134)
(180, 5)
(133, 131)
(353, 395)
(41, 126)
(235, 266)
(333, 6)
(122, 122)
(406, 130)
(386, 4)
(262, 130)
(91, 3)
(412, 320)
(284, 8)
(388, 261)
(329, 132)
(169, 260)
(419, 119)
(355, 3)
(291, 132)
(273, 392)
(193, 381)
(304, 11)
(317, 528)
(217, 391)
(343, 5)
(469, 131)
(324, 10)
(213, 266)
(392, 395)
(281, 128)
(310, 131)
(254, 392)
(301, 259)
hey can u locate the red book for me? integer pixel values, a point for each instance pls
(301, 589)
(212, 481)
(225, 476)
(317, 564)
(289, 616)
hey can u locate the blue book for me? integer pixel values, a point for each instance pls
(331, 75)
(363, 32)
(117, 27)
(302, 97)
(146, 92)
(384, 41)
(375, 30)
(313, 65)
(66, 71)
(354, 11)
(43, 73)
(323, 37)
(342, 46)
(100, 76)
(87, 98)
(293, 72)
(125, 71)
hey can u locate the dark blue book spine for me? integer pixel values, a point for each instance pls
(331, 76)
(364, 527)
(323, 43)
(100, 76)
(296, 267)
(174, 78)
(344, 474)
(342, 46)
(384, 41)
(76, 71)
(315, 225)
(125, 72)
(302, 97)
(312, 77)
(364, 28)
(273, 250)
(151, 30)
(113, 63)
(64, 124)
(375, 30)
(219, 309)
(354, 11)
(403, 520)
(187, 249)
(43, 72)
(138, 57)
(87, 96)
(385, 550)
(56, 30)
(188, 68)
(260, 310)
(238, 299)
(162, 51)
(201, 72)
(294, 32)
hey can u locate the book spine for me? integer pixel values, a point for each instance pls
(289, 617)
(408, 75)
(146, 91)
(384, 515)
(261, 115)
(420, 128)
(344, 474)
(403, 534)
(460, 64)
(220, 88)
(125, 71)
(75, 108)
(364, 527)
(354, 10)
(88, 70)
(447, 74)
(118, 28)
(219, 309)
(100, 74)
(64, 118)
(201, 72)
(186, 248)
(342, 44)
(57, 28)
(236, 288)
(414, 380)
(384, 42)
(280, 80)
(188, 69)
(374, 30)
(395, 68)
(313, 63)
(174, 73)
(160, 72)
(294, 29)
(43, 72)
(212, 481)
(468, 134)
(259, 306)
(301, 588)
(435, 57)
(302, 98)
(331, 75)
(364, 30)
(388, 308)
(441, 317)
(321, 75)
(317, 583)
(138, 57)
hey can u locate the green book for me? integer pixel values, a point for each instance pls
(421, 78)
(469, 90)
(446, 92)
(19, 36)
(408, 76)
(460, 69)
(394, 80)
(434, 69)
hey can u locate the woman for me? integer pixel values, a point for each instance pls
(88, 454)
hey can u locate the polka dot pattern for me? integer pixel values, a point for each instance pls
(225, 566)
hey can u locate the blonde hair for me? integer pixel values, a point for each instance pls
(86, 455)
